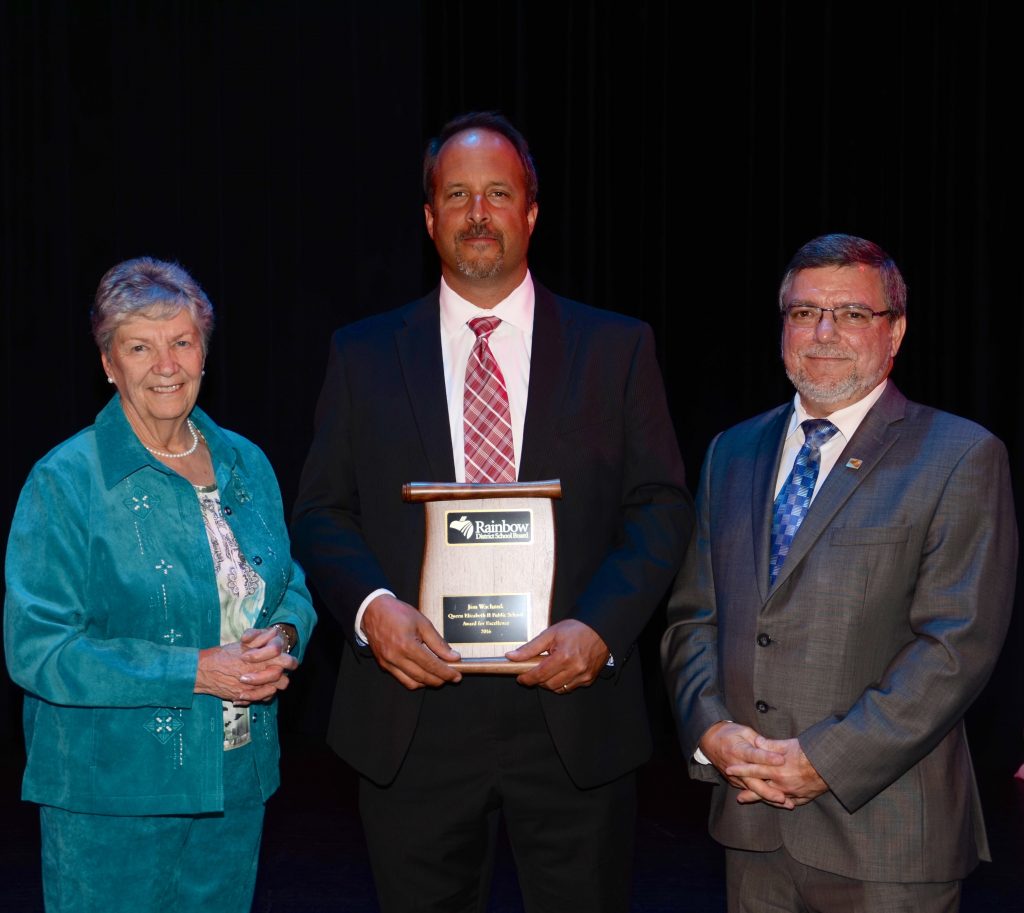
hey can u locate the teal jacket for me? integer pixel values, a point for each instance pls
(110, 596)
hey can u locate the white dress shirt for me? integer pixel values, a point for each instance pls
(511, 343)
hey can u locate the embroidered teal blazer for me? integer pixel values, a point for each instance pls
(110, 596)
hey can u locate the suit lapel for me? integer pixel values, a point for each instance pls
(551, 355)
(876, 434)
(766, 470)
(419, 353)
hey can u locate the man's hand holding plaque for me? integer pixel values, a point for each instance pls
(571, 655)
(407, 645)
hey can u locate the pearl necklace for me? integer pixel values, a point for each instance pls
(178, 456)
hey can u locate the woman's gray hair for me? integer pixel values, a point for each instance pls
(146, 287)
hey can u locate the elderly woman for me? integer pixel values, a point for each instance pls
(153, 613)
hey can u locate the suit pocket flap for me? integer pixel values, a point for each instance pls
(869, 535)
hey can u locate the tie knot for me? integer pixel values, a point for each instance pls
(817, 431)
(484, 326)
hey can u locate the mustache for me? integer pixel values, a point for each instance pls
(820, 351)
(478, 231)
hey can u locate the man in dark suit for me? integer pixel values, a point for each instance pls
(820, 661)
(442, 755)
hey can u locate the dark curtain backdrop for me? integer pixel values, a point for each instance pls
(685, 151)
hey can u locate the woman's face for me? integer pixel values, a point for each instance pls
(157, 365)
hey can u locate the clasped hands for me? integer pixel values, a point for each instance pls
(407, 645)
(251, 670)
(774, 771)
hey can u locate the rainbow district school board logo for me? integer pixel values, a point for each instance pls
(489, 527)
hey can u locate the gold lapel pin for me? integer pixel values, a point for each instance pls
(854, 463)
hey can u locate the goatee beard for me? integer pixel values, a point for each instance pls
(480, 267)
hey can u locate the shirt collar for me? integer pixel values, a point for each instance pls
(516, 309)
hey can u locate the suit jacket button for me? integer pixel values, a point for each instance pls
(227, 511)
(257, 560)
(763, 640)
(761, 706)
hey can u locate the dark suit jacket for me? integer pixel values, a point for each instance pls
(882, 628)
(596, 419)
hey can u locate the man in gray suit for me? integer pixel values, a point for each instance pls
(820, 657)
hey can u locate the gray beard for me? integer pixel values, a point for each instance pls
(831, 393)
(478, 268)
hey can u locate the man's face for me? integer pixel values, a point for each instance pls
(479, 219)
(831, 367)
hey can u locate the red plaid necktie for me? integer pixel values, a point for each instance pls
(486, 420)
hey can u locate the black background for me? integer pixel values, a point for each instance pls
(684, 152)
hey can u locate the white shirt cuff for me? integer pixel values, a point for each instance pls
(360, 633)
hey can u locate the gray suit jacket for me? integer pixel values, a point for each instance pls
(881, 630)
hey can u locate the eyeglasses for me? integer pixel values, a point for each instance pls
(846, 317)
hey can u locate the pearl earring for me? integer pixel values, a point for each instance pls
(110, 380)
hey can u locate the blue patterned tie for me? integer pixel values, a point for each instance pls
(795, 496)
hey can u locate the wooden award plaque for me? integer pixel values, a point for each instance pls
(488, 567)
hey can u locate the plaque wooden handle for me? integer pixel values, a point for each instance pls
(495, 666)
(419, 492)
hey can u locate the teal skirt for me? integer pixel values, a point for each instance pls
(144, 864)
